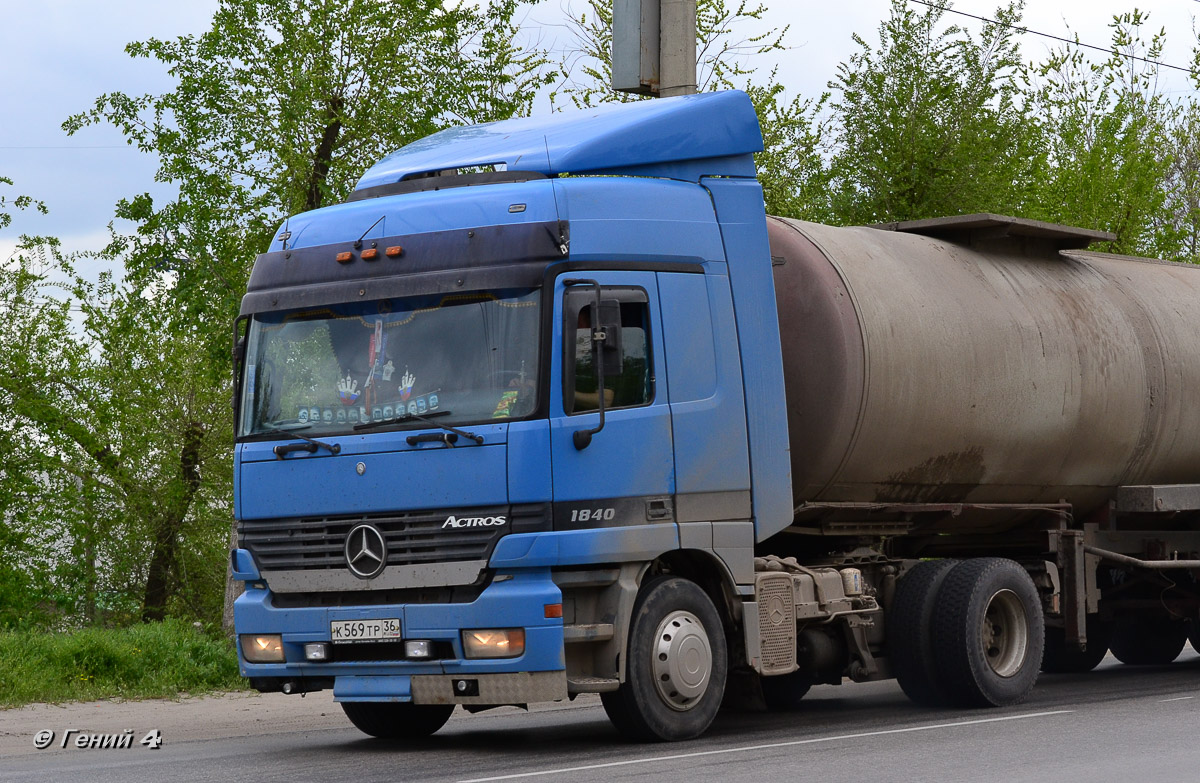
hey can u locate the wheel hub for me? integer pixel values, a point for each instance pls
(682, 660)
(1004, 633)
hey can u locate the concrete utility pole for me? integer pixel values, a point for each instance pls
(654, 47)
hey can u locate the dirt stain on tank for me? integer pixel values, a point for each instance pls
(941, 479)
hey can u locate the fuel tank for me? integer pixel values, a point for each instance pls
(983, 359)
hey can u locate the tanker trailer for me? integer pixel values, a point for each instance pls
(508, 436)
(982, 387)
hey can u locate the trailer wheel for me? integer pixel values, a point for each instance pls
(910, 632)
(1138, 640)
(785, 691)
(1062, 658)
(676, 668)
(397, 720)
(987, 633)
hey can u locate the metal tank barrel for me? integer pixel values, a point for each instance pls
(983, 360)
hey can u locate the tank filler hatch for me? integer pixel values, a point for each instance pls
(987, 228)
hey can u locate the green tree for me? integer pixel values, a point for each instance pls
(278, 108)
(930, 121)
(1183, 178)
(793, 166)
(1183, 184)
(25, 594)
(109, 426)
(1109, 142)
(16, 202)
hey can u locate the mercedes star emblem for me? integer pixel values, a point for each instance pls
(366, 551)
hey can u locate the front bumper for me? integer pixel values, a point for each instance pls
(514, 600)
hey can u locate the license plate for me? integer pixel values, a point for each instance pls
(364, 630)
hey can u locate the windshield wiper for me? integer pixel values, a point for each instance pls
(366, 425)
(427, 419)
(310, 444)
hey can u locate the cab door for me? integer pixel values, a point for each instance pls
(625, 473)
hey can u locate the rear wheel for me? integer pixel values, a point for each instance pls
(1139, 640)
(397, 720)
(910, 632)
(677, 663)
(1060, 657)
(987, 633)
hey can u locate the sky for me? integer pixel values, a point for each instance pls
(60, 55)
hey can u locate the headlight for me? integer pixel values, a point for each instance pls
(494, 643)
(262, 648)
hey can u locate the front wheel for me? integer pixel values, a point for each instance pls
(677, 663)
(397, 720)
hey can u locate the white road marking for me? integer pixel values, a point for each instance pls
(745, 748)
(1177, 698)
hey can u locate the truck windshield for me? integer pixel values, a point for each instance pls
(467, 357)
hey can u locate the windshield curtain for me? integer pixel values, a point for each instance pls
(467, 357)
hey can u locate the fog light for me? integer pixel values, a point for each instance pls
(418, 648)
(262, 648)
(494, 643)
(317, 651)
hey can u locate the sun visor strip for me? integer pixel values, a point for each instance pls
(424, 184)
(462, 259)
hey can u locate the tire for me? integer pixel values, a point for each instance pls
(785, 691)
(910, 632)
(1138, 640)
(988, 633)
(676, 666)
(397, 720)
(1058, 657)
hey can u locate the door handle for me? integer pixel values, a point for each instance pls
(657, 510)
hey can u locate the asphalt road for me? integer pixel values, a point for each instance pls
(1118, 723)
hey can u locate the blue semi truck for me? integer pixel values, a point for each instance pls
(551, 406)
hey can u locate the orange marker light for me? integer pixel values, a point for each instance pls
(370, 254)
(345, 258)
(395, 251)
(553, 610)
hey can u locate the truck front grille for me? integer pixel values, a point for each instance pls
(412, 538)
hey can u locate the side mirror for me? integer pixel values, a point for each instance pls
(606, 327)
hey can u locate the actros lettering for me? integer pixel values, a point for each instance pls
(452, 521)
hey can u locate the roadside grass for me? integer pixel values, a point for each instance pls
(155, 660)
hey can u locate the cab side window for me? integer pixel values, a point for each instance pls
(634, 384)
